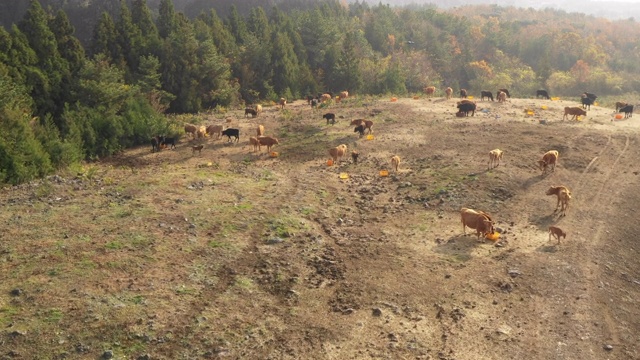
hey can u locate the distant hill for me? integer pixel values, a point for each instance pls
(614, 10)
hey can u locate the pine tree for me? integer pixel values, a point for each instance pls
(285, 66)
(105, 40)
(166, 19)
(41, 39)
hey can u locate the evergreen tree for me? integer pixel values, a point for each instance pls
(105, 40)
(166, 19)
(41, 39)
(141, 17)
(21, 155)
(129, 38)
(285, 66)
(236, 25)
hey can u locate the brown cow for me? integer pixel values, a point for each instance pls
(480, 221)
(260, 130)
(557, 233)
(575, 111)
(190, 129)
(395, 162)
(501, 96)
(430, 90)
(495, 156)
(550, 158)
(214, 129)
(268, 141)
(563, 194)
(338, 152)
(448, 92)
(282, 103)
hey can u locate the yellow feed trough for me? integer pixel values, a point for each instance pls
(493, 237)
(579, 118)
(370, 137)
(384, 173)
(555, 98)
(344, 176)
(530, 113)
(543, 107)
(595, 103)
(470, 97)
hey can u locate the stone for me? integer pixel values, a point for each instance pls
(376, 312)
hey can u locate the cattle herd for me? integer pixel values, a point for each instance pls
(478, 220)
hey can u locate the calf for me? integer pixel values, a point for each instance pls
(564, 195)
(359, 129)
(395, 162)
(463, 93)
(589, 95)
(501, 96)
(506, 91)
(486, 94)
(331, 117)
(231, 132)
(557, 233)
(254, 142)
(627, 110)
(495, 156)
(314, 103)
(549, 159)
(197, 148)
(542, 93)
(575, 111)
(354, 156)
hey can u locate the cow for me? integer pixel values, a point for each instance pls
(506, 91)
(589, 95)
(575, 111)
(480, 221)
(466, 107)
(463, 93)
(486, 94)
(331, 118)
(155, 143)
(542, 93)
(627, 110)
(501, 96)
(231, 132)
(586, 102)
(620, 104)
(250, 111)
(430, 90)
(448, 91)
(167, 141)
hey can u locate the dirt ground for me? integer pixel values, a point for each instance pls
(236, 254)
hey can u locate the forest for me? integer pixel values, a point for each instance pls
(84, 80)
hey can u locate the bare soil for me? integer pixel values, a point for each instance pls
(236, 254)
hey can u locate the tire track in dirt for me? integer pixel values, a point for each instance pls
(591, 190)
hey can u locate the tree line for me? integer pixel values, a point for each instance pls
(63, 100)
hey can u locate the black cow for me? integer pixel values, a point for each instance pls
(463, 93)
(467, 107)
(314, 103)
(591, 96)
(309, 98)
(231, 132)
(250, 111)
(331, 117)
(359, 129)
(505, 91)
(542, 93)
(627, 110)
(486, 94)
(167, 141)
(155, 144)
(587, 102)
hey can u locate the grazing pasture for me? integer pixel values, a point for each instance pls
(237, 254)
